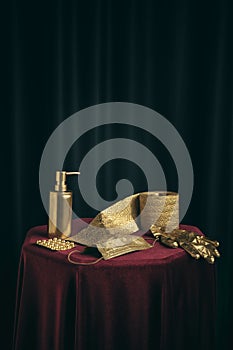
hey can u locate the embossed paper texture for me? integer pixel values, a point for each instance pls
(114, 226)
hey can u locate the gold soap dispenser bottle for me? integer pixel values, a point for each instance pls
(60, 207)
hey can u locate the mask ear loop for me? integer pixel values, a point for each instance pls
(156, 239)
(81, 263)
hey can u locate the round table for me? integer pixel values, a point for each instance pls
(159, 298)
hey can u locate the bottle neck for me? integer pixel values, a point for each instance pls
(60, 188)
(61, 181)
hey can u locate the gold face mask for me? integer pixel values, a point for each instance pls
(117, 247)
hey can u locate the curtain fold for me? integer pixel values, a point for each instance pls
(173, 57)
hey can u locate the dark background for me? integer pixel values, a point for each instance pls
(172, 56)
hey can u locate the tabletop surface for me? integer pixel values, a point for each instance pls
(158, 298)
(157, 254)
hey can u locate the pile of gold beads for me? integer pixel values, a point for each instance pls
(56, 244)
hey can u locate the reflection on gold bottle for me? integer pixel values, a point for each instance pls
(60, 207)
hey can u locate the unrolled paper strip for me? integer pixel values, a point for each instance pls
(116, 221)
(111, 230)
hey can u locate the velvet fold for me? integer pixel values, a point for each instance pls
(159, 298)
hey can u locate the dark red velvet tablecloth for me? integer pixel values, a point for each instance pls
(158, 299)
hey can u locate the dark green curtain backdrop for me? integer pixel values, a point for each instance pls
(172, 56)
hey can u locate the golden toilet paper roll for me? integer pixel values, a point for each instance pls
(159, 208)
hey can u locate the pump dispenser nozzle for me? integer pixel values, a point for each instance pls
(61, 179)
(60, 207)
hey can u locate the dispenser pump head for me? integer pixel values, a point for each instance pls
(61, 180)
